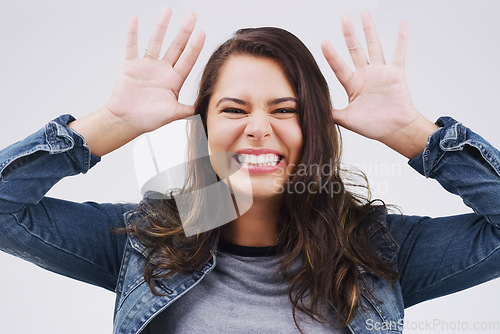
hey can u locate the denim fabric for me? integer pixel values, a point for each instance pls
(435, 256)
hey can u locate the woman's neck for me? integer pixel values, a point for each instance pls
(255, 228)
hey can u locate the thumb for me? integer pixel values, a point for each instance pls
(183, 111)
(340, 116)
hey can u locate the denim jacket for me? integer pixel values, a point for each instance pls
(435, 256)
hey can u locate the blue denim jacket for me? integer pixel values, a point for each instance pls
(436, 256)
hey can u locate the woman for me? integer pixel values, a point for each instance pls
(346, 265)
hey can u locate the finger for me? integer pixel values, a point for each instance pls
(183, 111)
(186, 63)
(175, 50)
(156, 41)
(399, 57)
(353, 45)
(340, 116)
(338, 65)
(372, 42)
(131, 51)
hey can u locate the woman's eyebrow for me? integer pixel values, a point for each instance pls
(232, 99)
(282, 99)
(271, 102)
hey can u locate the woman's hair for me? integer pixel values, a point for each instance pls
(327, 226)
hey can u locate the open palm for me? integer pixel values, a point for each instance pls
(146, 93)
(380, 105)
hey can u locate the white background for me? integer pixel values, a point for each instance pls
(63, 57)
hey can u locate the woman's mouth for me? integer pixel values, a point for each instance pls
(258, 160)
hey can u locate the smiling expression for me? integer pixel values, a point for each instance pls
(252, 114)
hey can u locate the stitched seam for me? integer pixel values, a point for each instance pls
(22, 155)
(176, 298)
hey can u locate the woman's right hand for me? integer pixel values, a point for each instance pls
(146, 93)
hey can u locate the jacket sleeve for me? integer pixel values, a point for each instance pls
(439, 256)
(73, 239)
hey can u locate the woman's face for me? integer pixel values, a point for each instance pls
(253, 127)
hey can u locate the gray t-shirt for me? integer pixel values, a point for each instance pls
(245, 293)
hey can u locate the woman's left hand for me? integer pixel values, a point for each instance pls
(380, 105)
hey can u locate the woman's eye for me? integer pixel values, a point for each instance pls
(233, 111)
(284, 112)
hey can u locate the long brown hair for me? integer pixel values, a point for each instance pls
(327, 226)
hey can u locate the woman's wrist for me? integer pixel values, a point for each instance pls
(103, 131)
(411, 140)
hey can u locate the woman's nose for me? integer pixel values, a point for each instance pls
(258, 126)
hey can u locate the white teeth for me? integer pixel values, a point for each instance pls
(258, 160)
